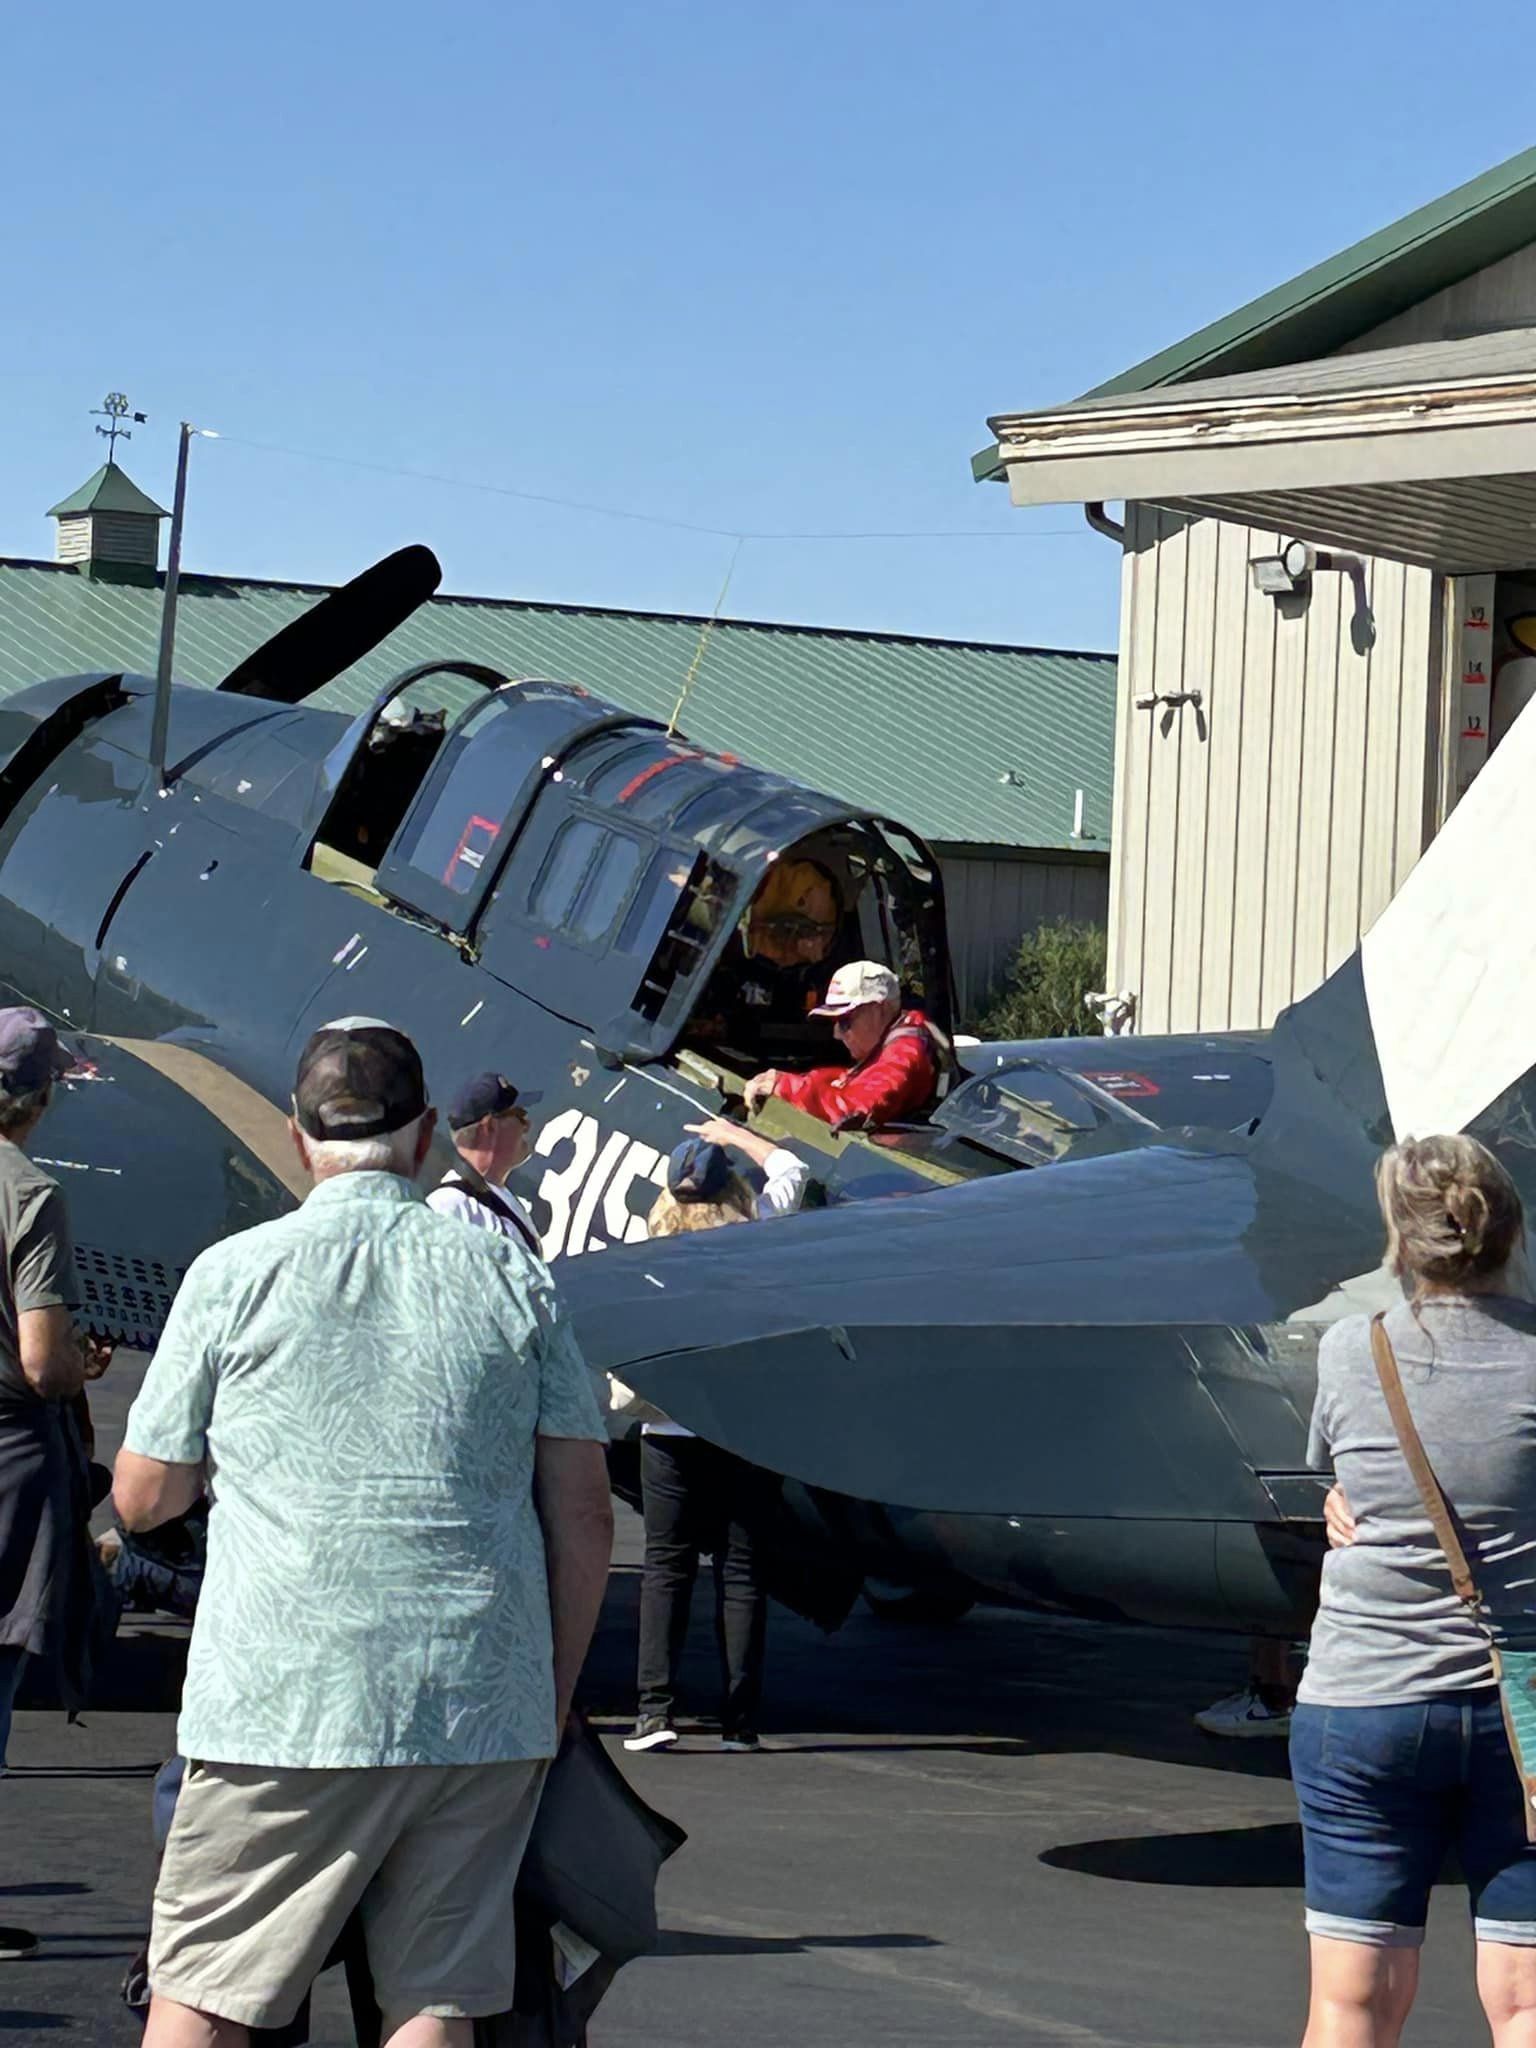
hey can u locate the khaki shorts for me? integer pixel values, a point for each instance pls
(264, 1866)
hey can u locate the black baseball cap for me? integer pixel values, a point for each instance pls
(486, 1095)
(31, 1057)
(358, 1078)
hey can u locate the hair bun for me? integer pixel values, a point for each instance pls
(1452, 1212)
(1467, 1208)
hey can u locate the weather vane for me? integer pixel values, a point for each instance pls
(114, 408)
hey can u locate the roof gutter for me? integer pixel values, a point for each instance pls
(1095, 452)
(987, 466)
(1100, 521)
(1166, 421)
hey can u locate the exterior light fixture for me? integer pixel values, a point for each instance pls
(1290, 572)
(1283, 574)
(1269, 575)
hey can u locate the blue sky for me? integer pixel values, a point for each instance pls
(763, 267)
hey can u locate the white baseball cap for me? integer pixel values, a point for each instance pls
(860, 982)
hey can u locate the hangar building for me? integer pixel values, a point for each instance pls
(1295, 722)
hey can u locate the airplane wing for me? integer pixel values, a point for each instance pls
(945, 1351)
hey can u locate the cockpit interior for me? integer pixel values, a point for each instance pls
(841, 894)
(377, 788)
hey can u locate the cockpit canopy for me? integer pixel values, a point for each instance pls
(609, 869)
(1032, 1113)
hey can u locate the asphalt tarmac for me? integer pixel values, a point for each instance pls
(1003, 1834)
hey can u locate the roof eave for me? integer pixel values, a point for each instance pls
(1156, 451)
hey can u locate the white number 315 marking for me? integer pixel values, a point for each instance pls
(599, 1169)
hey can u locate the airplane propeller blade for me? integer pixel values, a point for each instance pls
(339, 630)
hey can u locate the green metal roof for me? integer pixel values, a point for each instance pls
(1334, 302)
(109, 490)
(962, 742)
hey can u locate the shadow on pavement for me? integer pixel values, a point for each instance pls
(58, 1946)
(42, 1891)
(682, 1942)
(24, 1771)
(13, 2021)
(950, 1745)
(123, 1953)
(997, 1684)
(1251, 1858)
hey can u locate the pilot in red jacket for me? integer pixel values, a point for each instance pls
(894, 1070)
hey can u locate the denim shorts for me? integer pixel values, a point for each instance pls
(1386, 1793)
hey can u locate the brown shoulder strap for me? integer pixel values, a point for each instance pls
(1424, 1479)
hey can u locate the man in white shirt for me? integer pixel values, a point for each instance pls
(489, 1121)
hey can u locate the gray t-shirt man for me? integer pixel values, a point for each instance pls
(1390, 1627)
(39, 1266)
(46, 1595)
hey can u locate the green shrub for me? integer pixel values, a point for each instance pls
(1042, 995)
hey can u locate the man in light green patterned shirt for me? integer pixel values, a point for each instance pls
(406, 1555)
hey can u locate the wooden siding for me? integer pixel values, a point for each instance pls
(109, 537)
(1503, 295)
(1259, 833)
(994, 898)
(73, 541)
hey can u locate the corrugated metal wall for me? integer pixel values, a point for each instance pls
(994, 898)
(1258, 833)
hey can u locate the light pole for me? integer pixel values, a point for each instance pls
(162, 717)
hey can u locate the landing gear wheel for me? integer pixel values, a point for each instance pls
(918, 1606)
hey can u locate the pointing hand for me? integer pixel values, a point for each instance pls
(715, 1130)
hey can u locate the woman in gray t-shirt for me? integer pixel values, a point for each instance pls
(1398, 1748)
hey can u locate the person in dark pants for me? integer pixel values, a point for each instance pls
(699, 1498)
(696, 1496)
(47, 1599)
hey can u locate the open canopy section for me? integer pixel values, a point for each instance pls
(1424, 454)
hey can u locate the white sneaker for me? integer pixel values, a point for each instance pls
(652, 1731)
(1244, 1713)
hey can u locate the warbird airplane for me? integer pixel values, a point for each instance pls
(520, 874)
(1084, 1388)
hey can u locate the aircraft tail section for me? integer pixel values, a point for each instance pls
(1431, 1025)
(1449, 967)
